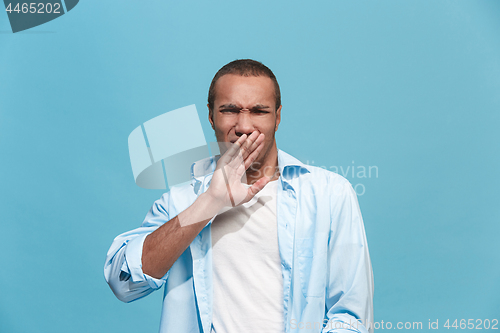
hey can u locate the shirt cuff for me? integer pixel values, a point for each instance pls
(133, 264)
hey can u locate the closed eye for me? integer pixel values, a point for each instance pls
(234, 110)
(260, 111)
(230, 111)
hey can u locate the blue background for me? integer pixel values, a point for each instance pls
(412, 87)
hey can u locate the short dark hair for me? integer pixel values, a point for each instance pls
(244, 67)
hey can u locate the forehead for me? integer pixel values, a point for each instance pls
(244, 90)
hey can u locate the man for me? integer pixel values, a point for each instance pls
(262, 244)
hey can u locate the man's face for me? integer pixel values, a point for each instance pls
(244, 104)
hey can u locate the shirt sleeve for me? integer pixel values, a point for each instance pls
(349, 291)
(123, 266)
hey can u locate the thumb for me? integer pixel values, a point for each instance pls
(257, 187)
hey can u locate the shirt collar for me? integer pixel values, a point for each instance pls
(290, 167)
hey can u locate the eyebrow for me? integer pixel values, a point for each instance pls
(233, 106)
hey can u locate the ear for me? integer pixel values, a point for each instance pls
(278, 118)
(210, 117)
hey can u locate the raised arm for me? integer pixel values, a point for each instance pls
(165, 245)
(138, 261)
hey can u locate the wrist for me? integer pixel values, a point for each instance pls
(210, 204)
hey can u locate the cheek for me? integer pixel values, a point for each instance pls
(224, 127)
(221, 132)
(218, 133)
(268, 129)
(219, 125)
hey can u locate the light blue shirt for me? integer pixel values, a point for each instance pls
(327, 274)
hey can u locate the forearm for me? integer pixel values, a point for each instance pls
(166, 244)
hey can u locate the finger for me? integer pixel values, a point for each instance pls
(233, 150)
(246, 146)
(257, 187)
(237, 163)
(253, 156)
(256, 143)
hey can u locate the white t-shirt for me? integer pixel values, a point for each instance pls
(247, 277)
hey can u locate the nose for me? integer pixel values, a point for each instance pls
(244, 124)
